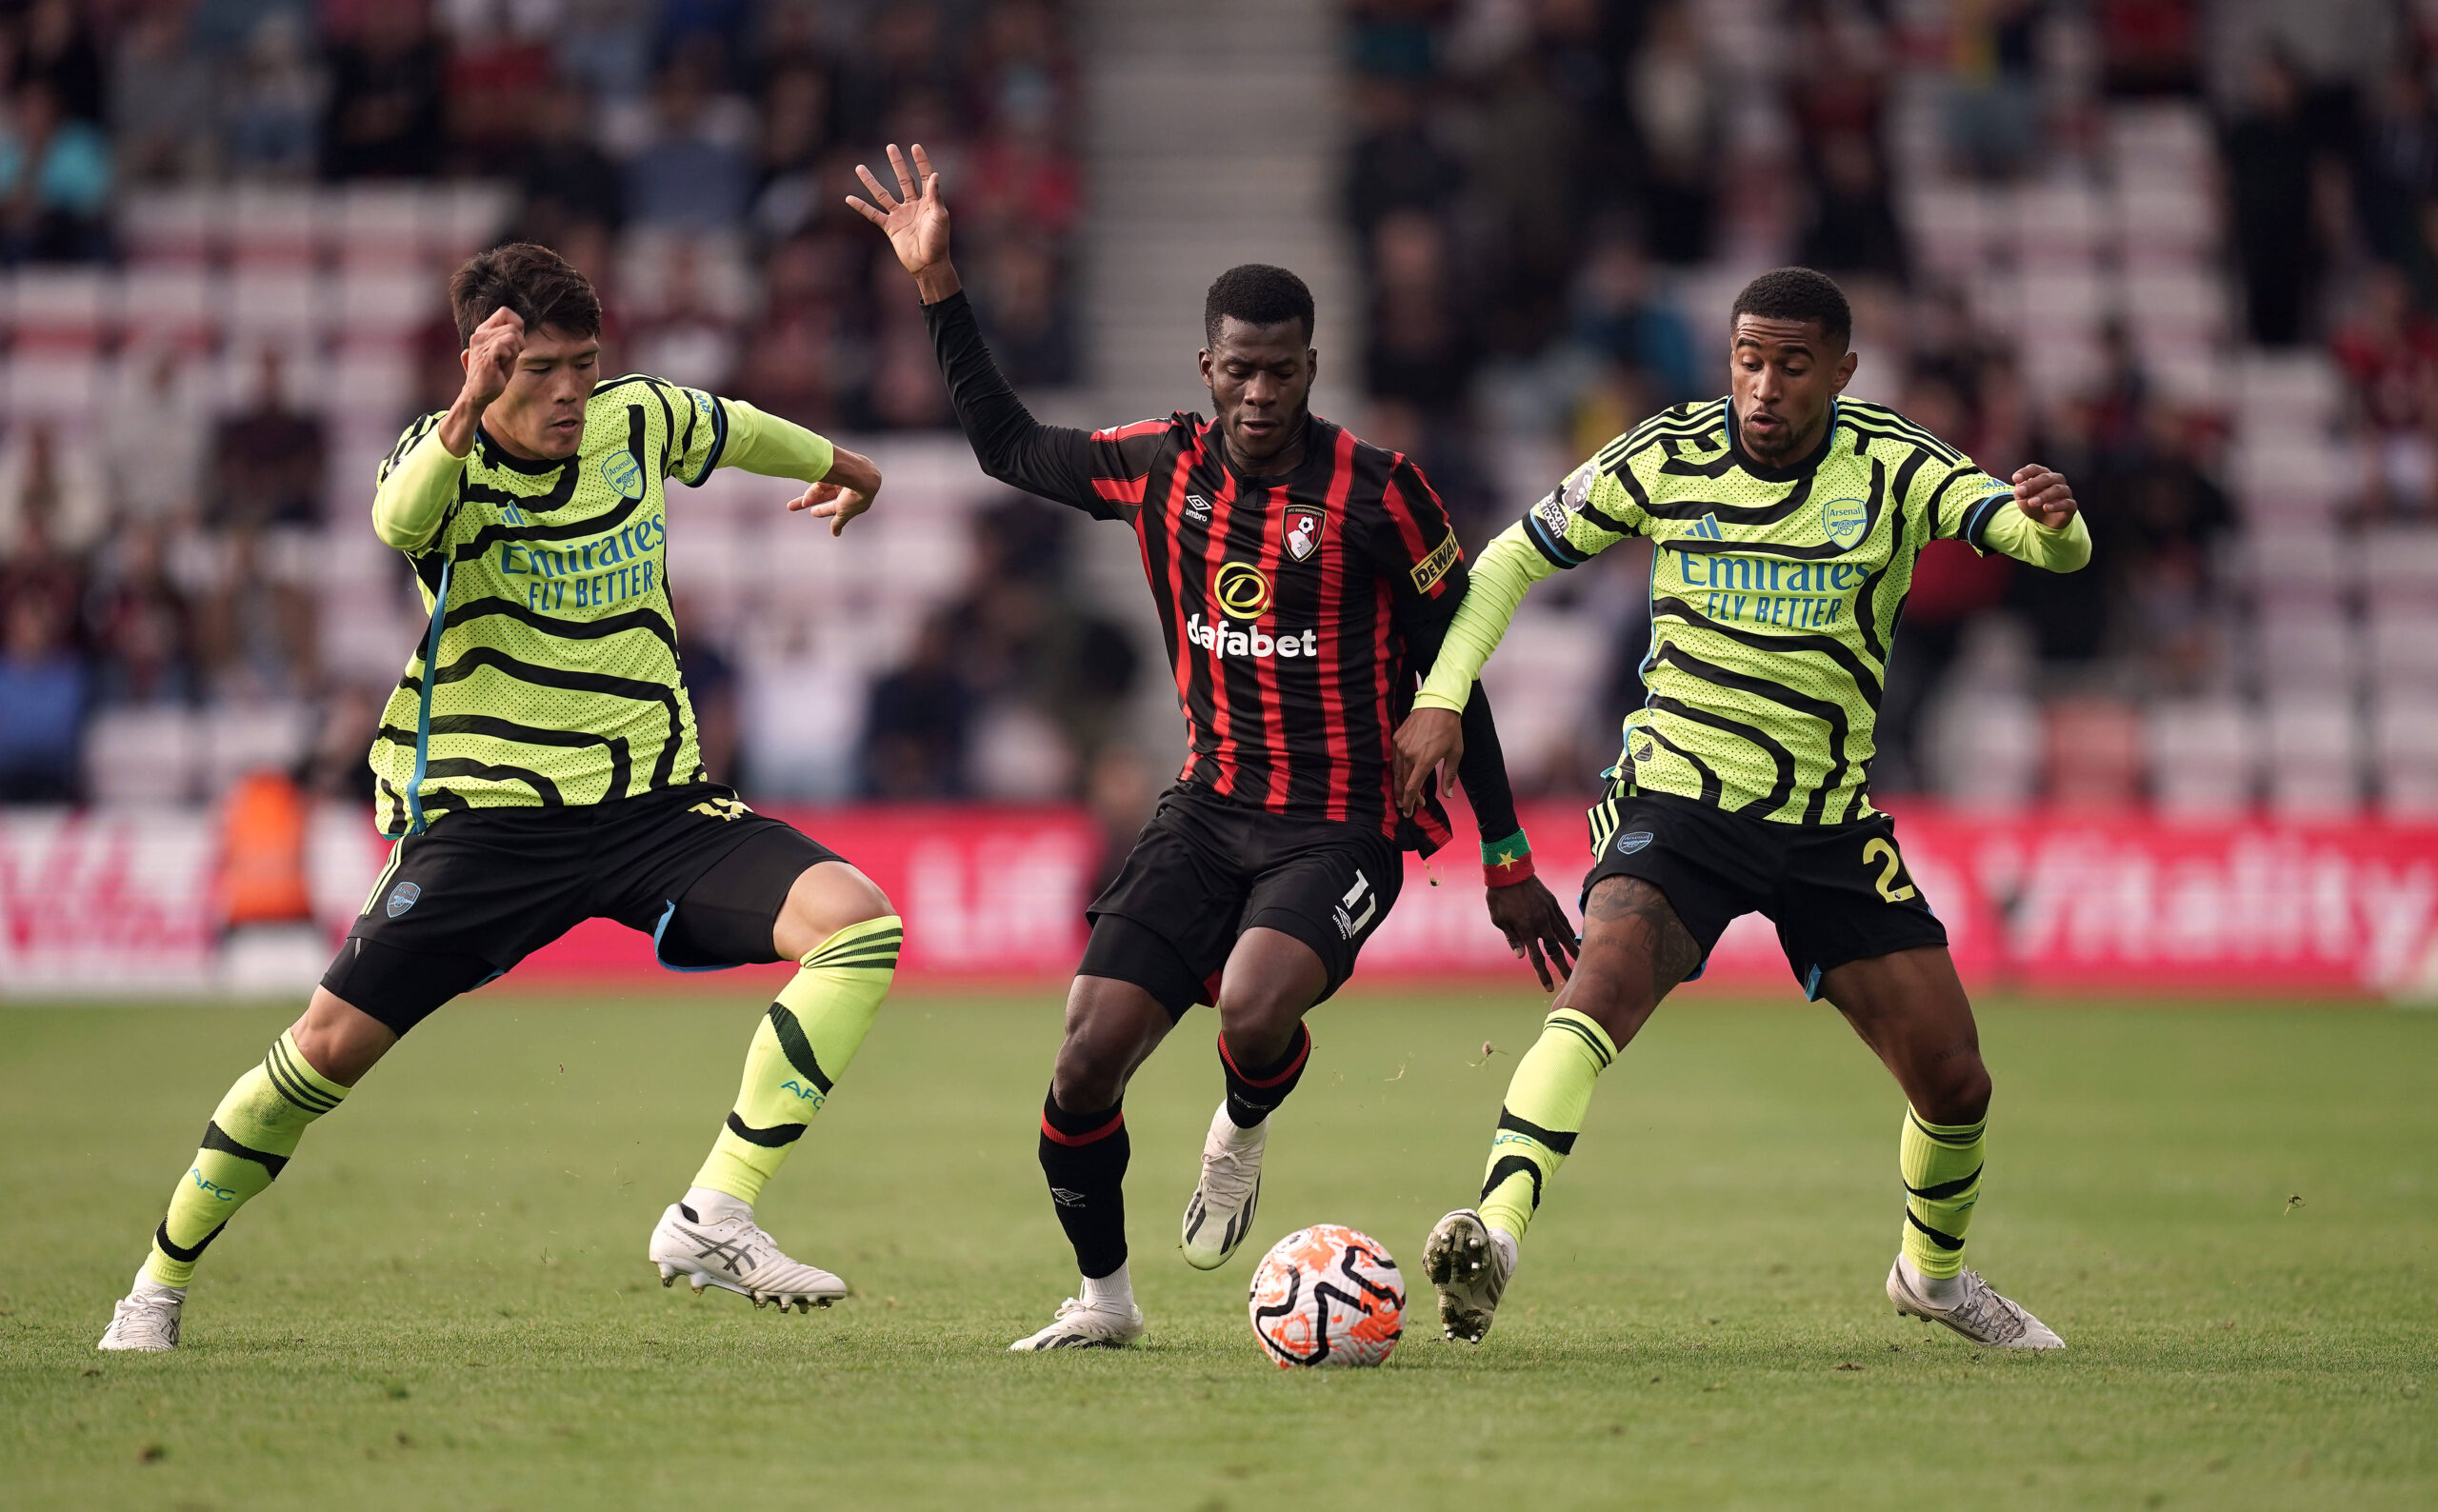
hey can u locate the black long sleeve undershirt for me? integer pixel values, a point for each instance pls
(1483, 766)
(1055, 463)
(1052, 461)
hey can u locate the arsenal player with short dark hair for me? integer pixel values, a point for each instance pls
(1304, 580)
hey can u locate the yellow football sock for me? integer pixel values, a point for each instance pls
(251, 1134)
(800, 1049)
(1542, 1114)
(1940, 1163)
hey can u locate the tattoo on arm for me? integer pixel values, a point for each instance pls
(1673, 953)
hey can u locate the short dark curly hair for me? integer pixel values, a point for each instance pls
(1798, 293)
(1258, 294)
(543, 287)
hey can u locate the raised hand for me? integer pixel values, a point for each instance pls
(491, 362)
(916, 221)
(847, 491)
(490, 356)
(2044, 495)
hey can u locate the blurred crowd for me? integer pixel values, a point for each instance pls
(2073, 231)
(2185, 252)
(692, 156)
(707, 143)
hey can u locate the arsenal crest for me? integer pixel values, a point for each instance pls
(1303, 533)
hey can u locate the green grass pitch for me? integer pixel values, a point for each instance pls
(2228, 1213)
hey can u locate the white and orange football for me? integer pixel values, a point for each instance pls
(1327, 1295)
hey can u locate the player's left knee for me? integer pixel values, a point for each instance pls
(834, 896)
(338, 1040)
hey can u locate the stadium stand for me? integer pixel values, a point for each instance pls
(192, 394)
(2069, 237)
(2063, 225)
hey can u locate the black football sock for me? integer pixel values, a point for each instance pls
(1254, 1091)
(1084, 1155)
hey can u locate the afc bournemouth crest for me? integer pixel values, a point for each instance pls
(1303, 533)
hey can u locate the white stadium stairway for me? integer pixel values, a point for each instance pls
(1214, 138)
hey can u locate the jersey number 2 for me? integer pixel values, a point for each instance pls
(1877, 849)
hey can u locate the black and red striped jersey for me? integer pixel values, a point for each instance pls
(1298, 610)
(1289, 606)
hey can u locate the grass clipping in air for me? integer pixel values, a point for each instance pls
(445, 1296)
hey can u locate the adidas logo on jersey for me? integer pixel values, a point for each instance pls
(1706, 527)
(1223, 640)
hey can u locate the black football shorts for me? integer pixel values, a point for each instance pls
(1206, 870)
(1837, 893)
(480, 891)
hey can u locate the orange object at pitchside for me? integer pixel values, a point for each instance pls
(262, 852)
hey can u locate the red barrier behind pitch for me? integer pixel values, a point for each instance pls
(2125, 902)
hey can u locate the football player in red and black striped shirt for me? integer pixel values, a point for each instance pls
(1303, 579)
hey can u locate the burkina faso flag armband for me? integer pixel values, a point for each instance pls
(1505, 863)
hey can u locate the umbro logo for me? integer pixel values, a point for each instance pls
(1197, 509)
(1356, 910)
(1066, 1197)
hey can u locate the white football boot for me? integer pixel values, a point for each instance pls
(1973, 1310)
(146, 1319)
(1085, 1326)
(1470, 1264)
(1220, 1214)
(733, 1254)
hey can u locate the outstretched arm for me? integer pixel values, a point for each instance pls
(2044, 528)
(2032, 517)
(1481, 766)
(1052, 461)
(1434, 736)
(1519, 904)
(840, 483)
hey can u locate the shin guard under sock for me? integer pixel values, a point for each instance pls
(800, 1049)
(1253, 1092)
(1941, 1164)
(1083, 1156)
(248, 1143)
(1544, 1111)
